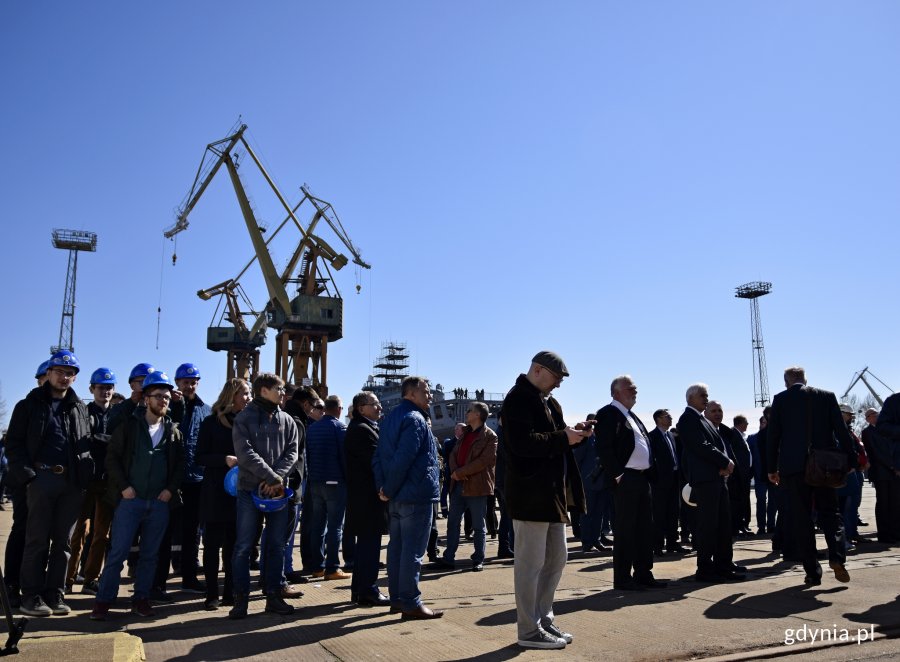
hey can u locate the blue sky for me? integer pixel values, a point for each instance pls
(589, 177)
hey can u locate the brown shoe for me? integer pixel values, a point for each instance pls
(318, 574)
(421, 613)
(338, 574)
(840, 572)
(143, 608)
(289, 591)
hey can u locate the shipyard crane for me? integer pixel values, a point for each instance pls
(861, 377)
(305, 323)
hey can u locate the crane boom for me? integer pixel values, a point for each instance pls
(861, 377)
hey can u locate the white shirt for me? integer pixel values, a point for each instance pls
(640, 456)
(156, 433)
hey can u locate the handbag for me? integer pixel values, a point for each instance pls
(825, 467)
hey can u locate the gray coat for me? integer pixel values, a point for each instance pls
(265, 445)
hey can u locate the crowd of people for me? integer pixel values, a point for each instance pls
(144, 480)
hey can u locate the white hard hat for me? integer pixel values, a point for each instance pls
(686, 495)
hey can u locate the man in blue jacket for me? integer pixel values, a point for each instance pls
(407, 475)
(327, 489)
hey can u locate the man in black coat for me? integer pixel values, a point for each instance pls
(667, 488)
(882, 441)
(623, 446)
(707, 466)
(367, 512)
(804, 418)
(540, 465)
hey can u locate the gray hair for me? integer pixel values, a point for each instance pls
(793, 375)
(616, 383)
(694, 389)
(410, 384)
(333, 403)
(482, 409)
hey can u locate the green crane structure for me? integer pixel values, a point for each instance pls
(305, 323)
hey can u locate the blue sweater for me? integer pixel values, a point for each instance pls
(406, 458)
(325, 450)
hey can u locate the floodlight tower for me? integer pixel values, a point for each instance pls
(753, 291)
(72, 241)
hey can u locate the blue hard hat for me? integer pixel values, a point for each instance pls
(63, 359)
(231, 481)
(187, 371)
(158, 378)
(42, 369)
(103, 376)
(272, 505)
(141, 370)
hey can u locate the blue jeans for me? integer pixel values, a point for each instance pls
(850, 498)
(151, 516)
(329, 505)
(293, 516)
(458, 504)
(271, 549)
(410, 527)
(592, 520)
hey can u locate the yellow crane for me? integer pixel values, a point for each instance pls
(305, 323)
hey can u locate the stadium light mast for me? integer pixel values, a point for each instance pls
(72, 241)
(753, 291)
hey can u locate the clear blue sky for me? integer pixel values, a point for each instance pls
(589, 177)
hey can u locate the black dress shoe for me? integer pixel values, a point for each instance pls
(739, 568)
(658, 552)
(812, 580)
(396, 609)
(606, 541)
(477, 567)
(441, 563)
(678, 549)
(732, 576)
(505, 555)
(421, 613)
(629, 585)
(707, 578)
(859, 522)
(374, 601)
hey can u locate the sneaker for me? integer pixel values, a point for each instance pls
(275, 604)
(542, 639)
(338, 574)
(142, 607)
(193, 586)
(100, 610)
(57, 604)
(33, 605)
(92, 587)
(550, 628)
(160, 595)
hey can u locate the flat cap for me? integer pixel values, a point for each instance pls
(847, 409)
(551, 361)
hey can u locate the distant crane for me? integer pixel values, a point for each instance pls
(861, 377)
(73, 241)
(305, 323)
(753, 291)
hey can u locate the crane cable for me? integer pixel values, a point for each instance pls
(162, 262)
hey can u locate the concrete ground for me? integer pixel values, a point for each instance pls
(755, 619)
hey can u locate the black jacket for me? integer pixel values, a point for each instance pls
(704, 453)
(663, 462)
(26, 433)
(366, 513)
(615, 443)
(121, 451)
(540, 463)
(213, 444)
(801, 417)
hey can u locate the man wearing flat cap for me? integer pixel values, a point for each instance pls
(537, 448)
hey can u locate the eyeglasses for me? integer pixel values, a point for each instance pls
(318, 406)
(160, 398)
(67, 374)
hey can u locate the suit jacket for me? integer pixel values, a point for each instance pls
(704, 454)
(740, 453)
(663, 461)
(615, 442)
(804, 417)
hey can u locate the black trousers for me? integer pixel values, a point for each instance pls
(363, 584)
(712, 537)
(633, 543)
(799, 501)
(218, 538)
(887, 509)
(666, 502)
(15, 544)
